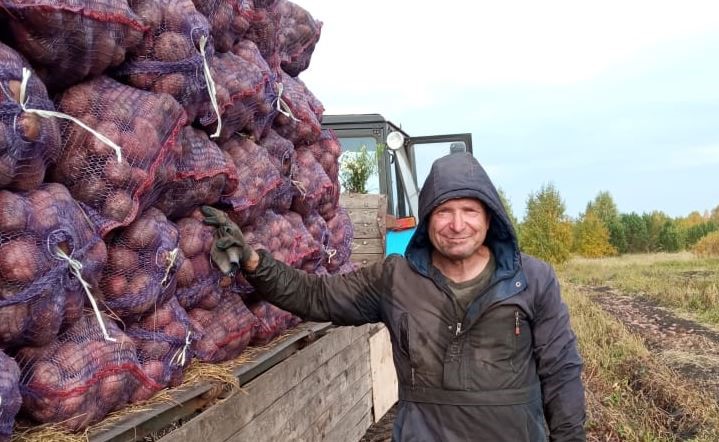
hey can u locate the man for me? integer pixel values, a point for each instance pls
(481, 339)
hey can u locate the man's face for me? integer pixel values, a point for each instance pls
(458, 227)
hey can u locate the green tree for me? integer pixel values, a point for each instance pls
(671, 237)
(699, 231)
(714, 216)
(636, 233)
(591, 237)
(508, 208)
(655, 223)
(546, 231)
(605, 209)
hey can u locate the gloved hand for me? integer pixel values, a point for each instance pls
(229, 250)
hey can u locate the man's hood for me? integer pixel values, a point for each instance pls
(459, 175)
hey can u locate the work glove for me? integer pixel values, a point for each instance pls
(229, 250)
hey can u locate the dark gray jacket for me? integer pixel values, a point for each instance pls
(493, 375)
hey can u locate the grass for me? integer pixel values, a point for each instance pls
(679, 281)
(631, 396)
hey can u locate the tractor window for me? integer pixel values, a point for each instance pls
(350, 145)
(423, 155)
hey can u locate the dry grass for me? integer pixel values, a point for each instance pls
(631, 396)
(680, 280)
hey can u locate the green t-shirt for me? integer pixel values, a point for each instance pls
(466, 291)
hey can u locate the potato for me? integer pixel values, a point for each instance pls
(30, 126)
(114, 286)
(201, 266)
(19, 260)
(13, 212)
(110, 387)
(191, 237)
(173, 84)
(185, 274)
(144, 232)
(176, 329)
(139, 283)
(118, 206)
(91, 190)
(122, 259)
(117, 173)
(12, 321)
(14, 87)
(171, 46)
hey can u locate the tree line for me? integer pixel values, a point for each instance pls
(601, 230)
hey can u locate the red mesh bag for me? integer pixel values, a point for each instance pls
(69, 40)
(298, 34)
(229, 20)
(266, 104)
(142, 262)
(317, 227)
(306, 246)
(46, 243)
(10, 399)
(327, 151)
(315, 190)
(169, 59)
(283, 236)
(144, 125)
(81, 377)
(264, 31)
(200, 175)
(27, 142)
(198, 281)
(163, 340)
(272, 321)
(243, 95)
(257, 180)
(340, 244)
(223, 332)
(301, 123)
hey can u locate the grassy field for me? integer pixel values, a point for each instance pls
(680, 281)
(632, 394)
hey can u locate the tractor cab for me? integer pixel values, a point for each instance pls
(403, 166)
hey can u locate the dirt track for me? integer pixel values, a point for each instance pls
(688, 347)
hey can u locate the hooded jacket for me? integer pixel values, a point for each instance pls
(497, 373)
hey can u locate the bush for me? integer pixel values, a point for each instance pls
(708, 246)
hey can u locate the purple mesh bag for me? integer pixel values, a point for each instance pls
(116, 186)
(200, 175)
(308, 251)
(198, 281)
(10, 399)
(315, 190)
(70, 40)
(317, 227)
(46, 244)
(163, 340)
(281, 150)
(242, 94)
(287, 242)
(142, 263)
(266, 104)
(341, 235)
(264, 31)
(229, 20)
(298, 34)
(78, 379)
(170, 57)
(257, 180)
(301, 123)
(327, 152)
(28, 143)
(224, 332)
(272, 322)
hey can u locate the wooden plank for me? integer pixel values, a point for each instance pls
(358, 200)
(355, 423)
(367, 245)
(239, 409)
(359, 395)
(186, 401)
(364, 216)
(364, 259)
(301, 402)
(384, 376)
(367, 230)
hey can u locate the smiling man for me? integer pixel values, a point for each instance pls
(481, 339)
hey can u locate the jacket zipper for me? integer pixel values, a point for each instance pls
(516, 323)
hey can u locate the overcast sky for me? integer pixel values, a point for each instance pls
(609, 95)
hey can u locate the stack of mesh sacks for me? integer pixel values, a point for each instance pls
(118, 120)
